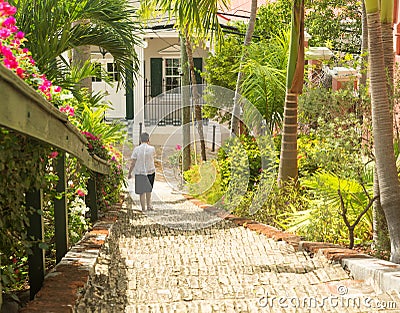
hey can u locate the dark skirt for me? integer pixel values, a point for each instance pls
(144, 183)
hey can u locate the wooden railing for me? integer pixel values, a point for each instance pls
(24, 111)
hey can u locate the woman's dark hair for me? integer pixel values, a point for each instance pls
(144, 137)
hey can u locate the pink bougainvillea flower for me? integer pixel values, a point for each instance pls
(6, 52)
(5, 33)
(10, 63)
(178, 147)
(9, 22)
(70, 111)
(20, 72)
(7, 9)
(89, 135)
(80, 193)
(53, 155)
(57, 89)
(20, 35)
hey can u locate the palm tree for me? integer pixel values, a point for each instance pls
(382, 123)
(294, 84)
(247, 41)
(186, 156)
(53, 28)
(381, 236)
(264, 84)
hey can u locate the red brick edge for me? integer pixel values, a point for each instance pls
(61, 286)
(331, 251)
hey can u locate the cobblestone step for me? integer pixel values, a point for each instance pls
(149, 266)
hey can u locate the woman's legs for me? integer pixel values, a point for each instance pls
(143, 201)
(148, 201)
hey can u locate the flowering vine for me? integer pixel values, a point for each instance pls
(18, 59)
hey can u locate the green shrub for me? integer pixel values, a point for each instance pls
(204, 181)
(322, 221)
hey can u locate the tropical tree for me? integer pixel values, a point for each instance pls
(382, 123)
(186, 154)
(264, 81)
(294, 84)
(343, 32)
(53, 28)
(246, 43)
(381, 236)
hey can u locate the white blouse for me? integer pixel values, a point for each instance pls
(144, 156)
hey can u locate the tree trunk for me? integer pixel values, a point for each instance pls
(364, 47)
(382, 122)
(185, 82)
(80, 55)
(294, 84)
(247, 40)
(196, 97)
(381, 234)
(380, 228)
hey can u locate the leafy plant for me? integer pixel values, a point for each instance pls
(204, 181)
(336, 204)
(342, 33)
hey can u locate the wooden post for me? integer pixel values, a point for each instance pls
(140, 131)
(91, 200)
(61, 211)
(1, 291)
(213, 138)
(36, 263)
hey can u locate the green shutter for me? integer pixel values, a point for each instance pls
(156, 76)
(198, 64)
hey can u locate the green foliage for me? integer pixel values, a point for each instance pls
(273, 18)
(264, 67)
(240, 156)
(333, 133)
(329, 104)
(264, 82)
(342, 32)
(204, 181)
(232, 181)
(22, 167)
(221, 68)
(279, 201)
(323, 220)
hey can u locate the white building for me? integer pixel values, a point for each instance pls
(154, 103)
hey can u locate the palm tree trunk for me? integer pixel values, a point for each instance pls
(381, 234)
(247, 40)
(380, 228)
(80, 55)
(294, 84)
(186, 160)
(196, 97)
(382, 123)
